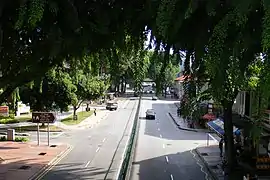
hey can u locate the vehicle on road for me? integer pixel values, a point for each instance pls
(132, 98)
(154, 98)
(112, 106)
(150, 114)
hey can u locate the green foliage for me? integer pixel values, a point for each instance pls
(3, 138)
(163, 75)
(21, 139)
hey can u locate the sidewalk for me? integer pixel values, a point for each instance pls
(212, 161)
(89, 122)
(23, 160)
(210, 155)
(180, 122)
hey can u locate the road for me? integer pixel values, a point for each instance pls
(164, 152)
(97, 152)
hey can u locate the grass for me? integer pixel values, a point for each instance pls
(41, 129)
(81, 116)
(9, 120)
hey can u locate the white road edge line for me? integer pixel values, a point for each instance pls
(104, 140)
(163, 145)
(167, 159)
(60, 134)
(199, 164)
(126, 144)
(171, 177)
(87, 164)
(97, 149)
(160, 136)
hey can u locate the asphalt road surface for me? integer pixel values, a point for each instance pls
(163, 152)
(97, 152)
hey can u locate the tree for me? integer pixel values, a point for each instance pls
(54, 91)
(166, 78)
(88, 88)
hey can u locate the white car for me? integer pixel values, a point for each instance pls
(150, 114)
(112, 106)
(154, 98)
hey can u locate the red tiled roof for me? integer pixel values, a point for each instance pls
(209, 116)
(183, 78)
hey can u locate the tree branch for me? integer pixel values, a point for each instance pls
(79, 104)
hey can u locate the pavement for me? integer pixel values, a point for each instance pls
(23, 160)
(180, 122)
(210, 155)
(98, 151)
(163, 151)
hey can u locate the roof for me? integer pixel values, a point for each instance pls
(183, 78)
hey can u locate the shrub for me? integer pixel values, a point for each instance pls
(21, 139)
(3, 138)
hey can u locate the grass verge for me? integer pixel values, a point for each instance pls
(81, 116)
(22, 118)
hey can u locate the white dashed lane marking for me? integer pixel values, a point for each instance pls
(167, 159)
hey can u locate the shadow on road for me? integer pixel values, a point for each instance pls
(167, 129)
(75, 171)
(181, 165)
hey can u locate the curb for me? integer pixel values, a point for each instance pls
(179, 127)
(17, 134)
(213, 176)
(44, 170)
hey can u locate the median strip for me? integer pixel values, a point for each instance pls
(126, 164)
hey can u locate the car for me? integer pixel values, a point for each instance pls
(154, 98)
(132, 98)
(111, 106)
(150, 114)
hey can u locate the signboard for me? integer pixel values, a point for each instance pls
(4, 111)
(218, 126)
(43, 117)
(263, 163)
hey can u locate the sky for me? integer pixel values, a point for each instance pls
(181, 67)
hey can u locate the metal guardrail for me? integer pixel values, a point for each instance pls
(131, 145)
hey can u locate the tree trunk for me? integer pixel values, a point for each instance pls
(125, 86)
(74, 112)
(229, 138)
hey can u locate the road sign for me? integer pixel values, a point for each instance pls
(43, 117)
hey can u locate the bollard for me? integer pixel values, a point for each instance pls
(11, 134)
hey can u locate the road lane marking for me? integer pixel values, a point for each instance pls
(158, 129)
(167, 159)
(97, 149)
(160, 136)
(104, 140)
(87, 164)
(52, 164)
(171, 177)
(163, 145)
